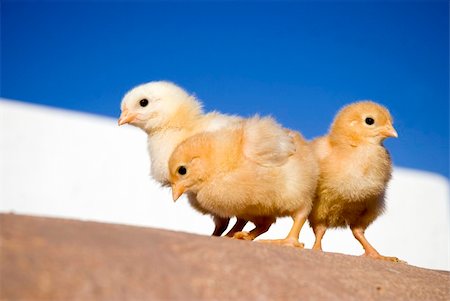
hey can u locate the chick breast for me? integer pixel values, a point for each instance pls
(351, 184)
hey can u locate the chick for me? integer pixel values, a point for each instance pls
(355, 168)
(169, 115)
(256, 171)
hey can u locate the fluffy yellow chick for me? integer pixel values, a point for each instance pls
(169, 115)
(355, 168)
(257, 171)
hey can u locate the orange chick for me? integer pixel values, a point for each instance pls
(257, 171)
(355, 169)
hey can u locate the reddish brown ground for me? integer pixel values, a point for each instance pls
(54, 259)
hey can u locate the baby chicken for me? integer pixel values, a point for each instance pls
(256, 171)
(169, 115)
(355, 168)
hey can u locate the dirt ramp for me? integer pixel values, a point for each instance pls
(56, 259)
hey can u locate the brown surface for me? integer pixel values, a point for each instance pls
(54, 259)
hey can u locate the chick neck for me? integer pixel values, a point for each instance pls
(353, 139)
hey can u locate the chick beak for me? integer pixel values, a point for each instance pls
(177, 191)
(389, 131)
(126, 117)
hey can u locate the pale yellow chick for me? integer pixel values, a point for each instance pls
(355, 169)
(257, 171)
(169, 115)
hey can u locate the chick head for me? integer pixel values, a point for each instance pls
(363, 121)
(190, 166)
(156, 105)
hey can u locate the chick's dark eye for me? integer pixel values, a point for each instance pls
(370, 121)
(143, 102)
(182, 170)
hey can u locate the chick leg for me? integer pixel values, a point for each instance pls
(358, 233)
(291, 239)
(238, 226)
(221, 225)
(319, 232)
(262, 225)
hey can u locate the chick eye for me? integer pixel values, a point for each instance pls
(143, 102)
(182, 170)
(370, 120)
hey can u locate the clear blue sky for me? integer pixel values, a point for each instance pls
(298, 61)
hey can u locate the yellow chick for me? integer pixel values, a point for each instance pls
(257, 171)
(169, 115)
(355, 168)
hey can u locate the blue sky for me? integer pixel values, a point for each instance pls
(297, 61)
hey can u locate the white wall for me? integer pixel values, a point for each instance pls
(66, 164)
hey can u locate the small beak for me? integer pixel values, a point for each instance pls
(126, 117)
(389, 131)
(177, 191)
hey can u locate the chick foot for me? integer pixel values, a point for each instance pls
(381, 257)
(370, 251)
(262, 224)
(291, 240)
(288, 242)
(240, 224)
(243, 235)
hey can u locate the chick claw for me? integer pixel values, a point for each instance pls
(287, 242)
